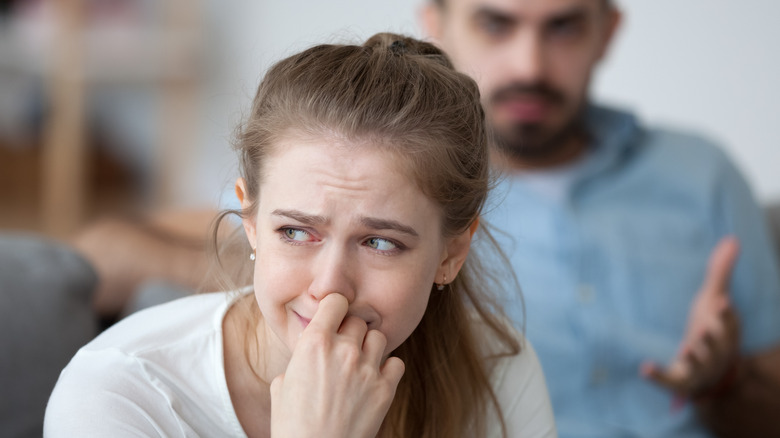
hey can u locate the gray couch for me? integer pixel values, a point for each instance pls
(773, 217)
(45, 317)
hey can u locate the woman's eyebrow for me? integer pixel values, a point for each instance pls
(387, 224)
(297, 215)
(368, 222)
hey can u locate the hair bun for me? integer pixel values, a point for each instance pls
(398, 47)
(402, 45)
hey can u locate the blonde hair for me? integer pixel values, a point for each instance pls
(403, 96)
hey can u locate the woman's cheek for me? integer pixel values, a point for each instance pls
(408, 312)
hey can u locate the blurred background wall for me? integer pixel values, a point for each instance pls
(155, 88)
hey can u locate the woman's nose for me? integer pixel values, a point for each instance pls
(333, 273)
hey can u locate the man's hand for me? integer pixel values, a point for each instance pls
(335, 384)
(711, 343)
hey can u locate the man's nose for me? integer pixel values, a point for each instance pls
(333, 273)
(526, 57)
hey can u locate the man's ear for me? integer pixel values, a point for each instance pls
(455, 254)
(431, 20)
(613, 19)
(248, 221)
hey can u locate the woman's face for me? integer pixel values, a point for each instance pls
(343, 218)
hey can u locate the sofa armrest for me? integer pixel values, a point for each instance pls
(46, 316)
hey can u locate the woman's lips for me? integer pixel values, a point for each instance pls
(304, 321)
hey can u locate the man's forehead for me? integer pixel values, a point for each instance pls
(523, 9)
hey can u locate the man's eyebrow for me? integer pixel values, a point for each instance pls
(574, 13)
(488, 12)
(307, 219)
(386, 224)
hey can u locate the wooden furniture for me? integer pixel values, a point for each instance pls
(163, 56)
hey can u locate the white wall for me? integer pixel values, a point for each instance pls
(708, 65)
(247, 37)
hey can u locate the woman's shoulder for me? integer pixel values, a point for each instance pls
(519, 384)
(165, 324)
(152, 372)
(519, 369)
(510, 356)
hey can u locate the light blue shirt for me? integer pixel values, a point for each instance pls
(609, 267)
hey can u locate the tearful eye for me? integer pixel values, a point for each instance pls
(380, 244)
(296, 235)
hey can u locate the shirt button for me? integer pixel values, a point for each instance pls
(599, 375)
(586, 293)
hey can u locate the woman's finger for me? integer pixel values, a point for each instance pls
(329, 315)
(393, 370)
(374, 346)
(354, 328)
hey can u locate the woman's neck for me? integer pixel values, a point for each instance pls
(245, 369)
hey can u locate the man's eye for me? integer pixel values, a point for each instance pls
(493, 27)
(296, 234)
(565, 28)
(380, 244)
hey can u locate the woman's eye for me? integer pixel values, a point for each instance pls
(296, 235)
(380, 244)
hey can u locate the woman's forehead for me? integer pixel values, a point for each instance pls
(320, 176)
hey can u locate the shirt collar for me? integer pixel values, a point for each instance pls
(612, 134)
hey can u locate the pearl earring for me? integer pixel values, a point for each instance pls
(440, 286)
(252, 255)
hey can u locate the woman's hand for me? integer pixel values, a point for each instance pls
(335, 384)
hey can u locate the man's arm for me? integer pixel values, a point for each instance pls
(742, 400)
(750, 405)
(710, 345)
(734, 396)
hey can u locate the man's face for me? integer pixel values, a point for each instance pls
(532, 59)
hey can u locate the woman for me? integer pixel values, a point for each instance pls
(364, 170)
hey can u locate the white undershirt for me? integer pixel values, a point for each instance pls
(553, 184)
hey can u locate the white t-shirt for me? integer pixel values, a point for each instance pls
(160, 372)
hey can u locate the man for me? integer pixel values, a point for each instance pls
(625, 240)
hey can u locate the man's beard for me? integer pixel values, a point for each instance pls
(535, 142)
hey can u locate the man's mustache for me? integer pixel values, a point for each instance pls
(518, 89)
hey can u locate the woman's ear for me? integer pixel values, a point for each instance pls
(455, 254)
(249, 222)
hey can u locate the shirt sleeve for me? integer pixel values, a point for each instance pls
(755, 283)
(106, 393)
(521, 390)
